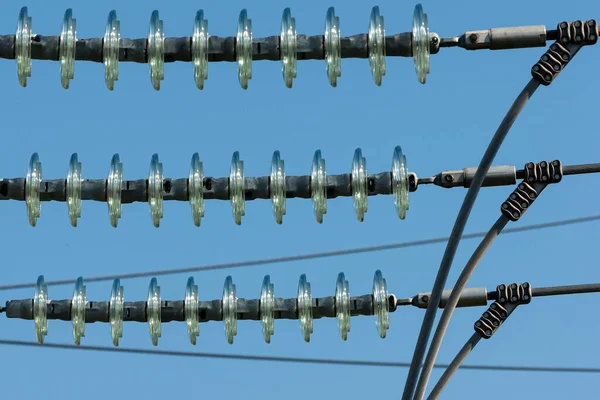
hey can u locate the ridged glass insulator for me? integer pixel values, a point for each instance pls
(74, 189)
(66, 48)
(243, 49)
(156, 50)
(342, 305)
(318, 186)
(32, 189)
(114, 185)
(381, 305)
(333, 47)
(229, 305)
(153, 311)
(277, 187)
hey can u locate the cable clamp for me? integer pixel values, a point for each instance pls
(578, 32)
(491, 320)
(544, 172)
(518, 201)
(514, 293)
(556, 58)
(508, 297)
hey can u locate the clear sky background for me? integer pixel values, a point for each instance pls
(445, 124)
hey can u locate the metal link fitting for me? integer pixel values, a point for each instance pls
(525, 292)
(491, 320)
(518, 201)
(591, 32)
(564, 32)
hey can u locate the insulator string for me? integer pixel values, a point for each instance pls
(229, 309)
(201, 48)
(197, 188)
(237, 188)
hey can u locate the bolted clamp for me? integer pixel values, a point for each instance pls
(491, 320)
(523, 196)
(556, 58)
(518, 201)
(514, 293)
(578, 32)
(544, 172)
(508, 297)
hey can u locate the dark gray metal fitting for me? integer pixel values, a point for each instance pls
(504, 38)
(500, 175)
(470, 297)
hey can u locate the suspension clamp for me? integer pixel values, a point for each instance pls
(508, 298)
(556, 58)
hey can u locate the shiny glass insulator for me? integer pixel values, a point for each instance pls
(110, 50)
(155, 190)
(191, 310)
(400, 188)
(78, 311)
(196, 189)
(342, 305)
(360, 194)
(333, 47)
(267, 308)
(229, 306)
(153, 311)
(277, 187)
(40, 309)
(243, 49)
(376, 44)
(420, 43)
(66, 48)
(289, 47)
(32, 189)
(113, 190)
(381, 305)
(156, 50)
(305, 311)
(237, 194)
(318, 186)
(115, 311)
(74, 189)
(23, 46)
(200, 49)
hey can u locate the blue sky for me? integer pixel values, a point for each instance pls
(445, 124)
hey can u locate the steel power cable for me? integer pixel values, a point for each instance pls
(543, 73)
(308, 256)
(457, 231)
(326, 361)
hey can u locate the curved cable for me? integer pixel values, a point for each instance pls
(457, 230)
(454, 365)
(507, 368)
(309, 256)
(461, 283)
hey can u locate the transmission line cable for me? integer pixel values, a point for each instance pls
(454, 365)
(543, 73)
(309, 256)
(454, 296)
(327, 361)
(457, 231)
